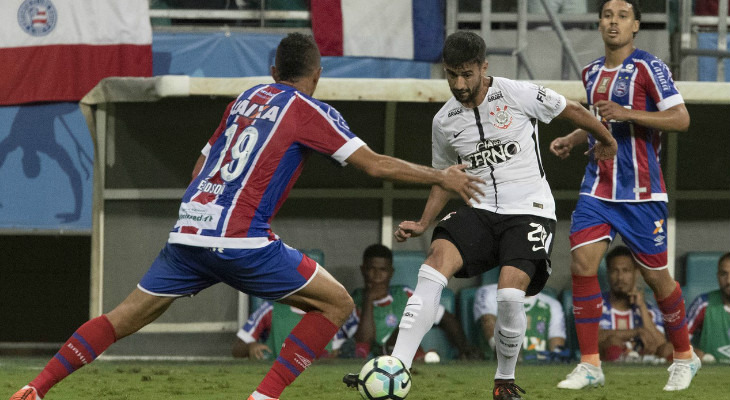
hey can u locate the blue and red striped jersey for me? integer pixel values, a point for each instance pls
(252, 161)
(642, 82)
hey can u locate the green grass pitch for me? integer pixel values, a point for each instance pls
(141, 380)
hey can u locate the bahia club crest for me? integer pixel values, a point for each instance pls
(37, 17)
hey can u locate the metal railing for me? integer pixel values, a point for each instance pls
(690, 24)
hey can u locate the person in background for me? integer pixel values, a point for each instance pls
(545, 334)
(630, 327)
(632, 93)
(379, 306)
(709, 318)
(266, 329)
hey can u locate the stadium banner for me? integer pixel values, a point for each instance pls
(58, 50)
(404, 29)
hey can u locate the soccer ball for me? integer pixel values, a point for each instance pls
(384, 378)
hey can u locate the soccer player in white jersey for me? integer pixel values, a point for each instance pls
(633, 94)
(490, 124)
(223, 233)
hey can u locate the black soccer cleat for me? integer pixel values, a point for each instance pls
(351, 380)
(506, 390)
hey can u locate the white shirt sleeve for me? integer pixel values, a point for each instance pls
(442, 154)
(534, 101)
(485, 301)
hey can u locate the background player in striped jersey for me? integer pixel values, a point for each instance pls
(709, 318)
(633, 94)
(490, 123)
(223, 232)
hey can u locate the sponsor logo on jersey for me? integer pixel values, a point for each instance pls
(391, 320)
(246, 109)
(492, 152)
(658, 226)
(458, 133)
(37, 17)
(658, 67)
(502, 118)
(495, 96)
(455, 111)
(197, 215)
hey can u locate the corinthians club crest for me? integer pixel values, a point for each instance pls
(502, 118)
(37, 17)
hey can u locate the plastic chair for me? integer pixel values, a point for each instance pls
(571, 340)
(406, 264)
(700, 268)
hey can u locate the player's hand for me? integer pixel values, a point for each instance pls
(467, 186)
(409, 229)
(610, 111)
(561, 147)
(259, 351)
(603, 151)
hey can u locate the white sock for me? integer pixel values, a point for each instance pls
(258, 396)
(509, 331)
(419, 314)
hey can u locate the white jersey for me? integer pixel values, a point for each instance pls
(499, 141)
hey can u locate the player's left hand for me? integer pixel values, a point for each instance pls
(611, 111)
(409, 229)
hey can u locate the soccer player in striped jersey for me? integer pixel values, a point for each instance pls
(223, 230)
(490, 123)
(633, 94)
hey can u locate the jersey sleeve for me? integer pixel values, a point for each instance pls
(605, 321)
(485, 301)
(258, 324)
(443, 154)
(656, 317)
(535, 101)
(221, 128)
(556, 328)
(323, 129)
(660, 85)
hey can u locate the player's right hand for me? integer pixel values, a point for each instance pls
(467, 186)
(259, 351)
(409, 229)
(561, 147)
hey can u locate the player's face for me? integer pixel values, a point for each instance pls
(622, 275)
(378, 271)
(465, 82)
(723, 278)
(618, 24)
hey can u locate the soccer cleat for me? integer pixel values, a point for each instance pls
(506, 390)
(682, 372)
(249, 398)
(584, 375)
(351, 380)
(26, 393)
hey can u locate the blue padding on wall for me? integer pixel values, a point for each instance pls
(707, 66)
(229, 55)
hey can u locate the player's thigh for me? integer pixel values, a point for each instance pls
(592, 221)
(136, 311)
(642, 227)
(469, 231)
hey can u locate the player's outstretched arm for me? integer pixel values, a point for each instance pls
(385, 167)
(437, 199)
(674, 119)
(606, 145)
(562, 146)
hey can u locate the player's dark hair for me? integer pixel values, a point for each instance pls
(464, 48)
(723, 258)
(634, 6)
(377, 251)
(616, 252)
(296, 56)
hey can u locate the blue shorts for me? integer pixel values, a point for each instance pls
(271, 272)
(642, 226)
